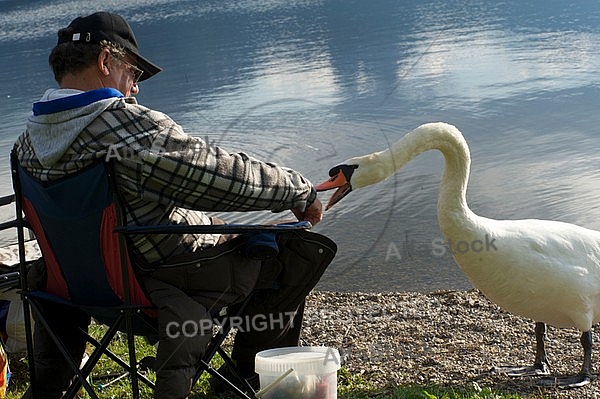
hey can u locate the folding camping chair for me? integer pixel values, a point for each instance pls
(77, 222)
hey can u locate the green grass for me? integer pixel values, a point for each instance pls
(350, 385)
(354, 386)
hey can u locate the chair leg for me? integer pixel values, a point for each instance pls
(80, 374)
(29, 343)
(121, 363)
(238, 392)
(102, 348)
(246, 385)
(133, 372)
(24, 284)
(215, 347)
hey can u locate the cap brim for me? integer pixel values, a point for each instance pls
(145, 65)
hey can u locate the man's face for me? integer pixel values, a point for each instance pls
(124, 76)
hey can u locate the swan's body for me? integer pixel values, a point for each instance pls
(545, 270)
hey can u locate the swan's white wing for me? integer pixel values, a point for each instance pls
(544, 270)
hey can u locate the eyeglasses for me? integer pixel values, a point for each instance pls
(136, 73)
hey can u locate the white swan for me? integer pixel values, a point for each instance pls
(544, 270)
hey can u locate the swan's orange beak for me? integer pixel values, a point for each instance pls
(338, 180)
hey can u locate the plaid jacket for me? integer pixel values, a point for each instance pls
(164, 175)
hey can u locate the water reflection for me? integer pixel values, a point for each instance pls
(308, 84)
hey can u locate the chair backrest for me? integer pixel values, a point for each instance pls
(74, 219)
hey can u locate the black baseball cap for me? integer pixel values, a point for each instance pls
(112, 27)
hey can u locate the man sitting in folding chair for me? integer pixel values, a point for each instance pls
(165, 177)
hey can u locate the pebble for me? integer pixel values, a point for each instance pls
(445, 338)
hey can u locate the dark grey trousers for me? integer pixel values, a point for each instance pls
(190, 291)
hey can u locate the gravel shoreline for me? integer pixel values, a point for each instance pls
(446, 338)
(443, 338)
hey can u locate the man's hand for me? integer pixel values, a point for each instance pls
(313, 214)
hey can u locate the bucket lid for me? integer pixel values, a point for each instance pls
(303, 359)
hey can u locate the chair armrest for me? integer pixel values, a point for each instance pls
(213, 228)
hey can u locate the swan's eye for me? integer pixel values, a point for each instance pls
(335, 170)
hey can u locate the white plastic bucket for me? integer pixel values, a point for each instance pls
(302, 372)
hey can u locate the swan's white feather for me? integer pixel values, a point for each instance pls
(548, 271)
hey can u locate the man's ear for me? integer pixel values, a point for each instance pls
(104, 61)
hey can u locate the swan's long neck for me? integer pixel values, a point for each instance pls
(452, 203)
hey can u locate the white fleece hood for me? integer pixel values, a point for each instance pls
(59, 117)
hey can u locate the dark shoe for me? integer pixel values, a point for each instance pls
(220, 387)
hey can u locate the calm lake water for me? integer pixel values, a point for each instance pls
(308, 84)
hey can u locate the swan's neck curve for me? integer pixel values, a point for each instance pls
(452, 203)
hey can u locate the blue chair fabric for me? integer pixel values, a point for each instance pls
(77, 223)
